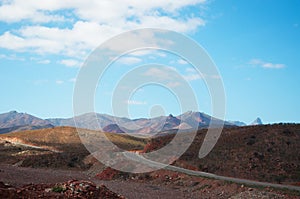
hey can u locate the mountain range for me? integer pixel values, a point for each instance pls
(13, 121)
(95, 121)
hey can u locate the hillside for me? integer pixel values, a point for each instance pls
(23, 128)
(58, 147)
(264, 153)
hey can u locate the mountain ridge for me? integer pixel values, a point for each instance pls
(14, 121)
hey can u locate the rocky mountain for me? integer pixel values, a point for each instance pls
(202, 120)
(171, 122)
(257, 121)
(14, 121)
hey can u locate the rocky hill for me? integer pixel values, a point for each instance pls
(264, 153)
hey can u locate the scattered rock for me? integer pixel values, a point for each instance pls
(194, 184)
(258, 195)
(70, 189)
(108, 174)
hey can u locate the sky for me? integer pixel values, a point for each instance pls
(254, 44)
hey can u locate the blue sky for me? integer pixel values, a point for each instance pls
(255, 45)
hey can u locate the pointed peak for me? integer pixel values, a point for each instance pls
(170, 115)
(257, 121)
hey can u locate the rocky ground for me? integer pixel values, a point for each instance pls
(19, 182)
(69, 189)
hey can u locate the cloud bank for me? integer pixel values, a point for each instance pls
(73, 27)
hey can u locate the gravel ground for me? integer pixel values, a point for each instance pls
(185, 187)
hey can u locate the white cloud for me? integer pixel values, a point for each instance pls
(83, 37)
(11, 57)
(72, 80)
(173, 84)
(92, 10)
(46, 61)
(129, 60)
(135, 102)
(263, 64)
(41, 82)
(192, 74)
(182, 62)
(164, 73)
(140, 53)
(11, 42)
(40, 60)
(173, 77)
(166, 22)
(215, 76)
(90, 22)
(192, 77)
(191, 70)
(70, 62)
(26, 11)
(132, 40)
(59, 82)
(148, 52)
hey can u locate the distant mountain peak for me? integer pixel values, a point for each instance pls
(170, 115)
(14, 121)
(257, 121)
(14, 118)
(113, 128)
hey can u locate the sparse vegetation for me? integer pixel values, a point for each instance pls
(58, 189)
(205, 186)
(264, 153)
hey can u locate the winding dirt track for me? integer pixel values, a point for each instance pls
(139, 158)
(19, 142)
